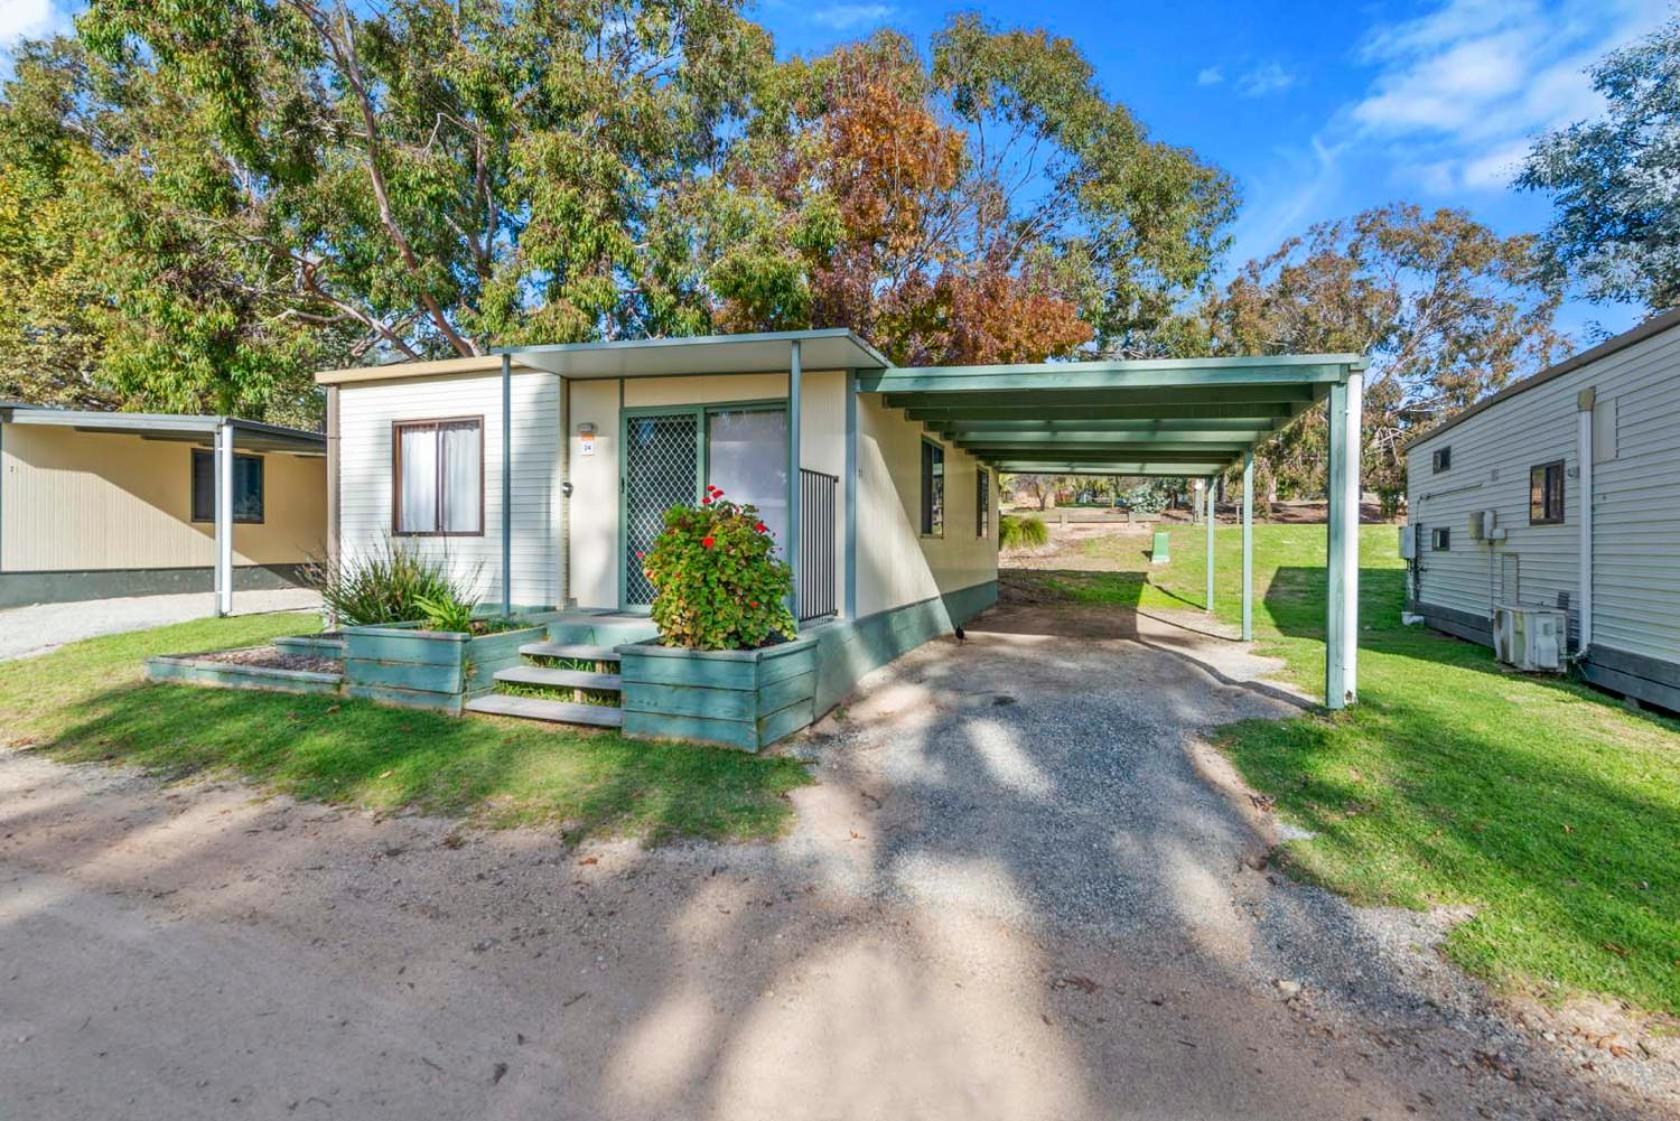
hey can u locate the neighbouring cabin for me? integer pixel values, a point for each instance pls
(1558, 493)
(120, 504)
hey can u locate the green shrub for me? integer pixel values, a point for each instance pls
(383, 585)
(717, 586)
(447, 612)
(1016, 531)
(1147, 498)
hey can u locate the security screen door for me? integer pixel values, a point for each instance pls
(671, 456)
(661, 470)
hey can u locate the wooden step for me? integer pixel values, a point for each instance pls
(547, 678)
(555, 712)
(576, 651)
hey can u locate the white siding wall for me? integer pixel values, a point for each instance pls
(366, 413)
(1636, 555)
(896, 564)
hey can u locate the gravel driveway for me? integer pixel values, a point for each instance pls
(35, 630)
(1023, 888)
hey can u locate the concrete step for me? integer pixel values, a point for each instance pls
(547, 678)
(577, 651)
(555, 712)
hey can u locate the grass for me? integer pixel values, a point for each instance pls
(1547, 808)
(89, 702)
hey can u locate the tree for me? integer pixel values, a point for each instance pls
(128, 267)
(988, 206)
(1616, 181)
(1447, 310)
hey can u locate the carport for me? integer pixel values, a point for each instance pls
(1179, 417)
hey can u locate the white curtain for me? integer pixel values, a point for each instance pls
(749, 460)
(463, 467)
(417, 504)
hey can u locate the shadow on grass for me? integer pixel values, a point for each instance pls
(497, 773)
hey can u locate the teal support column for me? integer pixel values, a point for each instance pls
(507, 484)
(1341, 651)
(792, 544)
(1208, 506)
(1248, 547)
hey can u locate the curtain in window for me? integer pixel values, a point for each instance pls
(462, 466)
(417, 498)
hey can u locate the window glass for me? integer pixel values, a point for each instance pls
(247, 487)
(1545, 493)
(439, 484)
(1440, 539)
(933, 489)
(982, 502)
(747, 456)
(1443, 460)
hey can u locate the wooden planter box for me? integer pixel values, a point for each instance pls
(200, 670)
(746, 699)
(428, 669)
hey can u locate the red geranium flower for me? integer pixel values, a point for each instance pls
(706, 501)
(762, 528)
(707, 542)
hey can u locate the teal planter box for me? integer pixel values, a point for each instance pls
(191, 670)
(746, 699)
(403, 665)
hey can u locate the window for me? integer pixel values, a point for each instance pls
(982, 502)
(1440, 539)
(247, 487)
(437, 477)
(1442, 460)
(1545, 493)
(933, 489)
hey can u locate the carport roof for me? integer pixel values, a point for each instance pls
(250, 435)
(1166, 416)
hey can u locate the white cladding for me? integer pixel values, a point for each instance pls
(367, 412)
(1636, 516)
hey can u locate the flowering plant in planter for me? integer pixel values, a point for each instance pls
(717, 585)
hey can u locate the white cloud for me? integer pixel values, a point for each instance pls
(843, 17)
(29, 19)
(1210, 76)
(1267, 78)
(1461, 92)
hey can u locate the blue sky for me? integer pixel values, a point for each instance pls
(1319, 109)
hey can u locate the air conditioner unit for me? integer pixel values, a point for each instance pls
(1529, 638)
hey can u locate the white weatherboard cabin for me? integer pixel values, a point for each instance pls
(543, 471)
(1545, 515)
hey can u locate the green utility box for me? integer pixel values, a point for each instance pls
(1159, 553)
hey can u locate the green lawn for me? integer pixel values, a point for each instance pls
(1547, 807)
(88, 702)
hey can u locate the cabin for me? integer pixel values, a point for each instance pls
(542, 473)
(96, 505)
(1556, 495)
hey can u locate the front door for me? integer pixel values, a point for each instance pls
(661, 470)
(669, 457)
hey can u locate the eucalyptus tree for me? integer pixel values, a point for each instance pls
(1616, 180)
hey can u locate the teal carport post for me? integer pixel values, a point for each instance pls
(1341, 648)
(1248, 546)
(1209, 519)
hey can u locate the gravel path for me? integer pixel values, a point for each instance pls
(25, 631)
(1022, 888)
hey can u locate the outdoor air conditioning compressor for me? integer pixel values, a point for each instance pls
(1529, 638)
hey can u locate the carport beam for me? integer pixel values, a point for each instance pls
(1248, 547)
(1209, 519)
